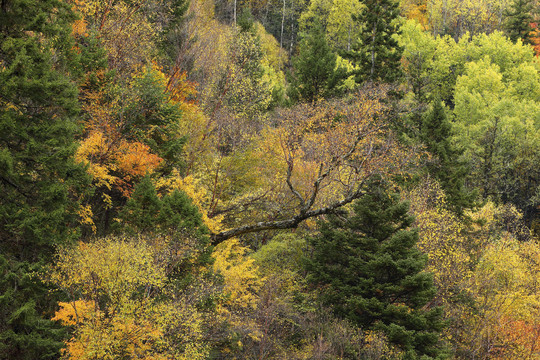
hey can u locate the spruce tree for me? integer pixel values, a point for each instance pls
(378, 54)
(315, 75)
(518, 20)
(38, 105)
(446, 166)
(367, 268)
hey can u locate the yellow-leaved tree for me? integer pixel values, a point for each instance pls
(241, 286)
(503, 324)
(310, 160)
(120, 305)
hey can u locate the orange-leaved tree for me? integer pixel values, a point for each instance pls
(130, 131)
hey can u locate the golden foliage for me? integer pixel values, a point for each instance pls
(124, 30)
(505, 285)
(334, 144)
(113, 161)
(416, 10)
(442, 238)
(115, 311)
(239, 272)
(74, 313)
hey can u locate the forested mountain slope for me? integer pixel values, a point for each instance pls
(224, 179)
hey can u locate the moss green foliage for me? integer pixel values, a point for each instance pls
(447, 166)
(25, 333)
(283, 253)
(38, 108)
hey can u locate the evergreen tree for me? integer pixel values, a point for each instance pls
(175, 216)
(172, 214)
(518, 21)
(368, 270)
(447, 166)
(378, 54)
(315, 75)
(38, 104)
(179, 214)
(141, 210)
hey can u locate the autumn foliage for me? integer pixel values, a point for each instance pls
(204, 179)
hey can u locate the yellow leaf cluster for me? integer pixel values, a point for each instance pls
(118, 314)
(441, 237)
(240, 274)
(86, 215)
(74, 312)
(106, 157)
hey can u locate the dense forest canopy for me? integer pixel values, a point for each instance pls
(226, 179)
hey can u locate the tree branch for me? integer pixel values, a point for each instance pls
(290, 167)
(290, 223)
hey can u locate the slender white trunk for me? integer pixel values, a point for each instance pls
(282, 24)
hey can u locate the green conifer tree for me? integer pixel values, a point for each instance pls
(315, 75)
(378, 54)
(173, 215)
(366, 267)
(446, 165)
(38, 105)
(519, 17)
(173, 38)
(141, 211)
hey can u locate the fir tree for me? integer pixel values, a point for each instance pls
(378, 54)
(173, 215)
(446, 166)
(368, 270)
(141, 210)
(518, 21)
(173, 38)
(315, 75)
(38, 105)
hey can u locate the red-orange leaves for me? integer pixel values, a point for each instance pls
(134, 158)
(114, 162)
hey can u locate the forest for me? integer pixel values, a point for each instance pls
(294, 179)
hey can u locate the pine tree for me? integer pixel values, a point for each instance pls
(315, 74)
(446, 166)
(518, 21)
(366, 267)
(378, 54)
(38, 105)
